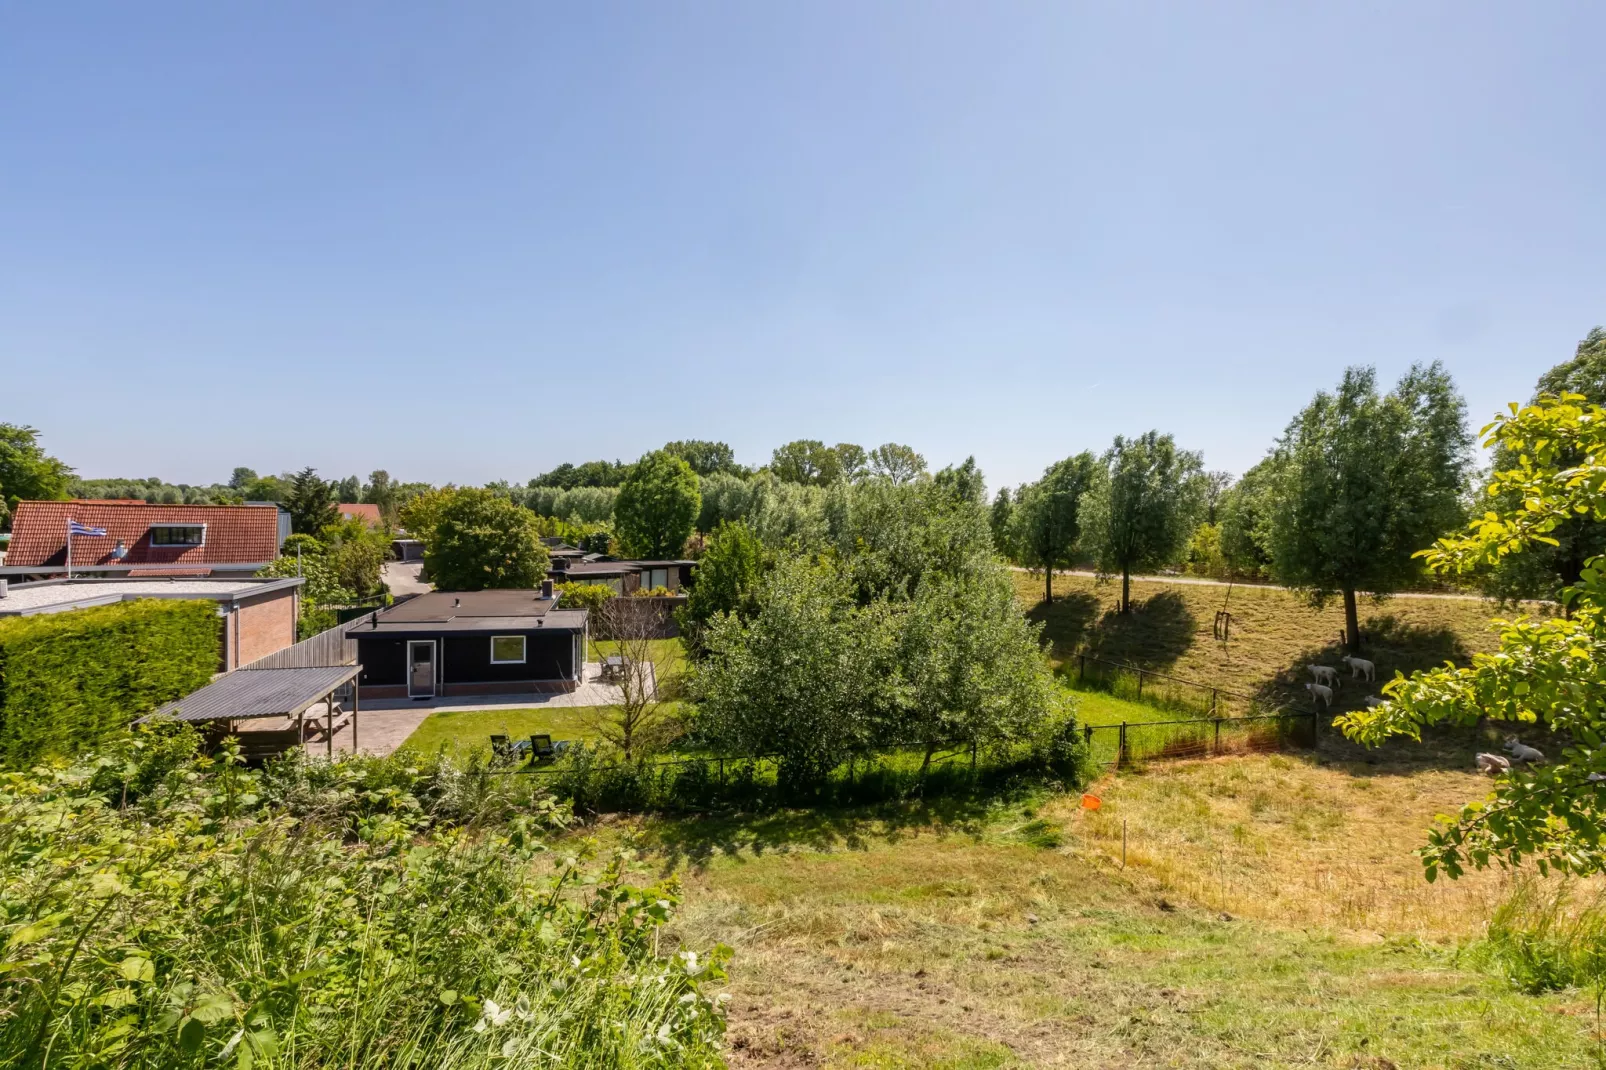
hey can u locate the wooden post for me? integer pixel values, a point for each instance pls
(1120, 748)
(356, 708)
(1213, 711)
(1140, 683)
(329, 724)
(1218, 735)
(1087, 734)
(1081, 673)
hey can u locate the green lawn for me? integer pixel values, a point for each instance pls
(472, 730)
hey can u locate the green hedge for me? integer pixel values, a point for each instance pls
(69, 680)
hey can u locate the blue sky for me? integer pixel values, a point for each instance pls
(469, 241)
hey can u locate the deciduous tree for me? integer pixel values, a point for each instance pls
(1144, 507)
(1361, 481)
(1046, 519)
(1547, 671)
(706, 458)
(657, 506)
(727, 575)
(27, 472)
(481, 541)
(897, 462)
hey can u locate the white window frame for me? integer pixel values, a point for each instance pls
(191, 545)
(524, 650)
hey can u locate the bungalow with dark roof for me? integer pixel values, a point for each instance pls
(626, 577)
(129, 538)
(499, 642)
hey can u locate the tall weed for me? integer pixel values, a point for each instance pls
(179, 912)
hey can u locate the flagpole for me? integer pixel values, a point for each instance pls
(69, 547)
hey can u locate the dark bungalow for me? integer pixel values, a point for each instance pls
(471, 643)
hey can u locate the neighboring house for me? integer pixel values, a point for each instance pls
(625, 577)
(368, 514)
(142, 539)
(259, 615)
(498, 642)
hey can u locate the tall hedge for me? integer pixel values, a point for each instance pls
(69, 680)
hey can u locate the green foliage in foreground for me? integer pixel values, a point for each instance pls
(70, 680)
(1539, 942)
(1550, 671)
(160, 910)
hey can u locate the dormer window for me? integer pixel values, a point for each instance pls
(178, 535)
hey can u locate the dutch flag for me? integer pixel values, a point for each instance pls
(75, 528)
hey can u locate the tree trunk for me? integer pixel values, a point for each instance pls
(1048, 583)
(931, 748)
(1352, 624)
(1126, 590)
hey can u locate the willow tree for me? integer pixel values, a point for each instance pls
(1044, 525)
(1143, 510)
(1361, 481)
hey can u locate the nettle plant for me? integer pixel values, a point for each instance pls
(1547, 671)
(159, 909)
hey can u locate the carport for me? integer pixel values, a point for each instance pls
(256, 695)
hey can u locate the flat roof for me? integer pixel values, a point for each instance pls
(248, 694)
(54, 596)
(473, 611)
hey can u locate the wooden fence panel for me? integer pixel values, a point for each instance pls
(330, 647)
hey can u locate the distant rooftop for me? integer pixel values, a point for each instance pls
(54, 596)
(475, 611)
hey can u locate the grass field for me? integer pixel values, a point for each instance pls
(472, 730)
(1270, 914)
(1275, 633)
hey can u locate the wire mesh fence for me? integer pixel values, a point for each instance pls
(1116, 745)
(1158, 689)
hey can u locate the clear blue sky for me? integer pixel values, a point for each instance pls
(469, 241)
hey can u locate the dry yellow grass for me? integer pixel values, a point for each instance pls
(1275, 633)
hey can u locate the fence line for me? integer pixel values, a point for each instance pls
(1175, 741)
(955, 748)
(1142, 674)
(332, 646)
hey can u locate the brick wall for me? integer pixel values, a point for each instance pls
(265, 625)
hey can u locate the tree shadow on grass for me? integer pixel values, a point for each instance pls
(1157, 632)
(1392, 645)
(693, 841)
(1065, 621)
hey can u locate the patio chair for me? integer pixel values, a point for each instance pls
(540, 747)
(508, 752)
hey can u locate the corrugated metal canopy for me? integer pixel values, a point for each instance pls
(251, 693)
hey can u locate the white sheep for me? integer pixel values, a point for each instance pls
(1324, 674)
(1322, 694)
(1374, 701)
(1361, 667)
(1493, 764)
(1521, 752)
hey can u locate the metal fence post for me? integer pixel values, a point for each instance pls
(1140, 683)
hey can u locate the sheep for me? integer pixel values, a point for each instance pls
(1374, 701)
(1321, 693)
(1521, 752)
(1324, 674)
(1493, 764)
(1361, 667)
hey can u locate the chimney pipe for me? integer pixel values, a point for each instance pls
(546, 588)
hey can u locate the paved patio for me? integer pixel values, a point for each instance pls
(386, 723)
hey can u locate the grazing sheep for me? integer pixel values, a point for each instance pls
(1361, 667)
(1374, 701)
(1521, 752)
(1324, 674)
(1493, 764)
(1322, 694)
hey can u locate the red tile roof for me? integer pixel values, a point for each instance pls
(235, 534)
(367, 512)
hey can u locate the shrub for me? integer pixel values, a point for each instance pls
(587, 596)
(70, 680)
(319, 915)
(1537, 941)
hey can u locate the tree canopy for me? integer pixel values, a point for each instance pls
(706, 458)
(657, 506)
(27, 472)
(1362, 480)
(727, 575)
(1144, 507)
(897, 462)
(481, 541)
(311, 503)
(1045, 519)
(1549, 671)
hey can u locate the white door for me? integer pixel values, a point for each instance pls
(420, 668)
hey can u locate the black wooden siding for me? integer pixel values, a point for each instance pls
(548, 655)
